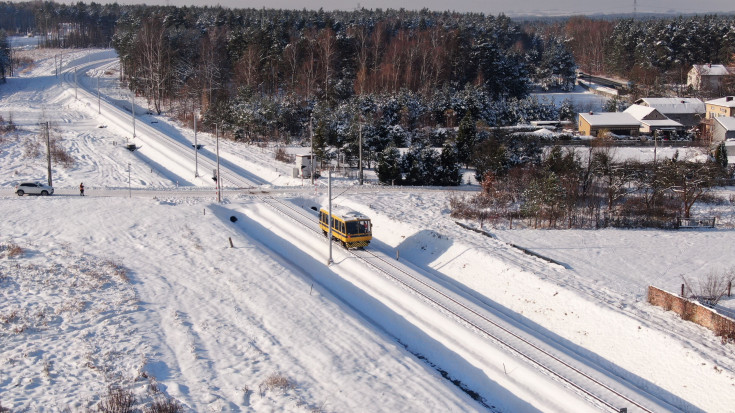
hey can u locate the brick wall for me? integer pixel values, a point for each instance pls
(693, 311)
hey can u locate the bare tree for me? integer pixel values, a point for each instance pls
(710, 289)
(155, 65)
(690, 180)
(360, 33)
(327, 42)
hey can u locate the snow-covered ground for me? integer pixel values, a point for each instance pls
(582, 99)
(142, 290)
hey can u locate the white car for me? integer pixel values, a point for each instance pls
(33, 188)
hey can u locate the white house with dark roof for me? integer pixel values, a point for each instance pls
(652, 120)
(687, 111)
(707, 77)
(619, 123)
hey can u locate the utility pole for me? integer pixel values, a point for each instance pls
(132, 109)
(130, 191)
(360, 150)
(48, 154)
(311, 158)
(329, 196)
(196, 146)
(75, 83)
(99, 104)
(219, 177)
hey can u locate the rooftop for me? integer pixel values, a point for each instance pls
(727, 122)
(728, 101)
(673, 105)
(711, 70)
(639, 111)
(610, 119)
(665, 123)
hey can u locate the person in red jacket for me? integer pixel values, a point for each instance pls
(81, 189)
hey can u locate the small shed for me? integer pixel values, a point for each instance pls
(619, 123)
(723, 129)
(303, 166)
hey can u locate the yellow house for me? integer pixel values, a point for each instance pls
(720, 107)
(619, 123)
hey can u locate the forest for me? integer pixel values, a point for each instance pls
(441, 84)
(654, 53)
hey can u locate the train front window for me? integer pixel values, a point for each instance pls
(358, 227)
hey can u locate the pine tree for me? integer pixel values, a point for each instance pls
(466, 138)
(490, 156)
(388, 168)
(448, 174)
(411, 166)
(4, 55)
(721, 155)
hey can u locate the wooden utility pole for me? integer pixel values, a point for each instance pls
(311, 160)
(196, 145)
(360, 151)
(219, 177)
(48, 154)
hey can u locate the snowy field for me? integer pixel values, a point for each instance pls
(140, 289)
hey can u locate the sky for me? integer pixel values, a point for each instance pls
(494, 7)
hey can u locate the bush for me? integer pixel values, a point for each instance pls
(164, 406)
(11, 250)
(283, 156)
(276, 381)
(117, 401)
(710, 289)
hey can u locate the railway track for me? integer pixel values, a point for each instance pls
(600, 387)
(178, 149)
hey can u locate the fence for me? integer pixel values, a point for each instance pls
(701, 222)
(693, 311)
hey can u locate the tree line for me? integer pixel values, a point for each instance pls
(4, 56)
(562, 189)
(652, 52)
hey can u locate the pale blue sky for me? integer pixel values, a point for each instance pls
(509, 7)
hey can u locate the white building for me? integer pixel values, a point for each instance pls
(652, 120)
(723, 129)
(619, 123)
(687, 111)
(707, 77)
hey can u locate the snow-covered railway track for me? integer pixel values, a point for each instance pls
(582, 376)
(181, 152)
(558, 365)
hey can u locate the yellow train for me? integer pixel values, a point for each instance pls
(352, 229)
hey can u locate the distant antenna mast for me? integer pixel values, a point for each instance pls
(635, 8)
